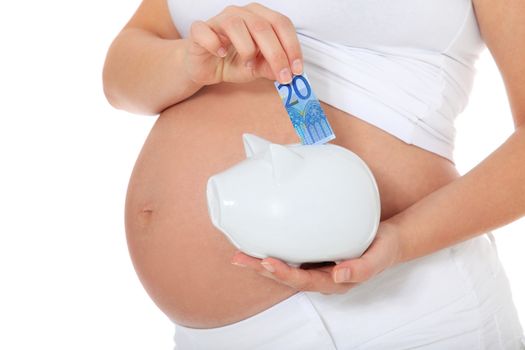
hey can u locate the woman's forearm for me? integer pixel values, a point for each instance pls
(489, 196)
(144, 73)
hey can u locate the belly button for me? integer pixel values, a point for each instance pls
(145, 214)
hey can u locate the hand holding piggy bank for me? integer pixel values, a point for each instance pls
(296, 203)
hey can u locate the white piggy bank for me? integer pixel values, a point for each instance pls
(297, 203)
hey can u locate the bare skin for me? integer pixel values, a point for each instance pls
(182, 261)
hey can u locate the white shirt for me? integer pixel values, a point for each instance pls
(405, 66)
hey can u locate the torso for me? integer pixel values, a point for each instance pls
(425, 25)
(181, 259)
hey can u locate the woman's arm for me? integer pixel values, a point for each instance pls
(493, 193)
(489, 196)
(142, 72)
(149, 67)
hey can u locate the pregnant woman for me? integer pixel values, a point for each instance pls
(391, 77)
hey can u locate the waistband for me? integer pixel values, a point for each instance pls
(444, 295)
(290, 324)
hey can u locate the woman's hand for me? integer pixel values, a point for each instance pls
(384, 252)
(241, 44)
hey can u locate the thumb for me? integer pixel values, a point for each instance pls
(380, 255)
(355, 270)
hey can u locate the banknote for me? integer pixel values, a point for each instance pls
(305, 111)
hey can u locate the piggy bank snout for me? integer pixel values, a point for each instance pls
(213, 199)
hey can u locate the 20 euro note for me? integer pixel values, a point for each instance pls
(304, 110)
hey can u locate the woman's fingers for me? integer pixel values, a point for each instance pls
(235, 29)
(286, 33)
(270, 46)
(206, 38)
(384, 252)
(318, 280)
(306, 280)
(255, 29)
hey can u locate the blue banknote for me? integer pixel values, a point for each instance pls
(304, 110)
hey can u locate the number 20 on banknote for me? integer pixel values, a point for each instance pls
(305, 112)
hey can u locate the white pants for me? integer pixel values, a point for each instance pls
(457, 298)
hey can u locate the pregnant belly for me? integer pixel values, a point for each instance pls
(182, 261)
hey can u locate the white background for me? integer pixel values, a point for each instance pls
(66, 280)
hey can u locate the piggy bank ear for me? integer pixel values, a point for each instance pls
(286, 163)
(254, 144)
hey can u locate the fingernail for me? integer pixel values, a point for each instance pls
(238, 264)
(268, 266)
(221, 52)
(297, 66)
(342, 275)
(286, 76)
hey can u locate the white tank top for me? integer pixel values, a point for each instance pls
(405, 66)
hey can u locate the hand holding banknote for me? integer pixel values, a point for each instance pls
(241, 44)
